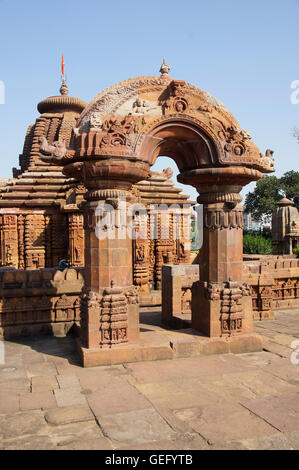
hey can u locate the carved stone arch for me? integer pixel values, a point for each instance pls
(188, 141)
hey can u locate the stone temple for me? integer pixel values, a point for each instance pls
(79, 163)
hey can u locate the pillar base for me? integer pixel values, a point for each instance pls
(162, 347)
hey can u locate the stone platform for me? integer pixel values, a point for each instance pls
(226, 401)
(158, 343)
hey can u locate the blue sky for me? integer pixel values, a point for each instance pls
(244, 53)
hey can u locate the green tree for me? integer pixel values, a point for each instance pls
(268, 191)
(290, 184)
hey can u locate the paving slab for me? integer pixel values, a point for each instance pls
(68, 381)
(22, 423)
(69, 397)
(9, 402)
(44, 383)
(187, 441)
(66, 434)
(41, 368)
(32, 357)
(175, 397)
(118, 399)
(281, 412)
(17, 385)
(37, 401)
(225, 422)
(29, 443)
(69, 414)
(93, 380)
(101, 443)
(279, 441)
(12, 372)
(187, 367)
(135, 427)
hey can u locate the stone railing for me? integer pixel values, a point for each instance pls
(273, 282)
(36, 302)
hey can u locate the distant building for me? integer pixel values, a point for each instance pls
(251, 224)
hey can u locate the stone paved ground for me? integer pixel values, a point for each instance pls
(248, 401)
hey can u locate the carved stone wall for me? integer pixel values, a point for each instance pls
(271, 282)
(35, 302)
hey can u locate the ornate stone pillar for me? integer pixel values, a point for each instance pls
(221, 305)
(109, 308)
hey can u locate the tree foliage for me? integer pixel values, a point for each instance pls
(269, 190)
(256, 244)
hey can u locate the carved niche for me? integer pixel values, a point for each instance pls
(76, 239)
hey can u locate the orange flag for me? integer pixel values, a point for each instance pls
(62, 65)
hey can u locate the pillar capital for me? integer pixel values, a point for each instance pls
(220, 184)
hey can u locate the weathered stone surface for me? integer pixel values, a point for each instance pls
(101, 443)
(68, 381)
(37, 400)
(282, 412)
(69, 397)
(66, 434)
(285, 441)
(135, 427)
(11, 372)
(121, 398)
(212, 402)
(69, 414)
(41, 369)
(186, 441)
(20, 424)
(44, 383)
(189, 367)
(9, 401)
(17, 385)
(223, 422)
(29, 443)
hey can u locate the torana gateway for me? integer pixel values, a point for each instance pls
(108, 148)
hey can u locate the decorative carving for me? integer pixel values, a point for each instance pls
(21, 242)
(268, 159)
(140, 107)
(218, 219)
(132, 296)
(9, 240)
(56, 151)
(35, 241)
(230, 295)
(76, 239)
(95, 121)
(113, 317)
(167, 173)
(176, 102)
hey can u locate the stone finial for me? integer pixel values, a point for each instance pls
(64, 88)
(164, 70)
